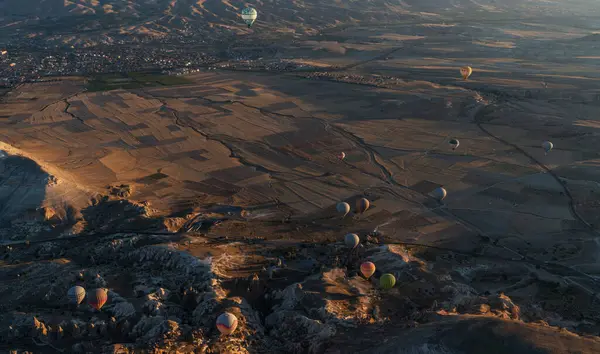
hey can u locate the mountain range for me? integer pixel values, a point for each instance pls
(111, 21)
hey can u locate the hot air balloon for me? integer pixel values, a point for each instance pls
(351, 240)
(341, 155)
(12, 65)
(343, 208)
(367, 269)
(362, 205)
(439, 193)
(76, 294)
(227, 323)
(387, 281)
(249, 15)
(98, 298)
(454, 143)
(466, 71)
(547, 146)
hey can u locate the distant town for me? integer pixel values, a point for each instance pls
(18, 65)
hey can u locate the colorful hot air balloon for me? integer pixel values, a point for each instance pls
(343, 208)
(439, 193)
(387, 281)
(454, 143)
(98, 298)
(227, 323)
(351, 240)
(341, 155)
(367, 269)
(76, 294)
(466, 71)
(547, 146)
(249, 15)
(362, 205)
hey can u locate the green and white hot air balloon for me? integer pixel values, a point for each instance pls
(249, 15)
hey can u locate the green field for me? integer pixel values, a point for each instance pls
(132, 81)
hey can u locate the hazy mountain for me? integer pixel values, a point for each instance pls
(104, 21)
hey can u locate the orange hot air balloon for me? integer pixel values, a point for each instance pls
(341, 155)
(367, 269)
(98, 298)
(465, 72)
(362, 205)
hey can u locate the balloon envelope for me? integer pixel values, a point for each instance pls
(341, 155)
(227, 323)
(343, 208)
(439, 193)
(547, 146)
(362, 205)
(249, 15)
(387, 281)
(454, 143)
(76, 294)
(466, 71)
(98, 298)
(367, 269)
(351, 240)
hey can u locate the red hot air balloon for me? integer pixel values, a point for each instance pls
(98, 298)
(367, 269)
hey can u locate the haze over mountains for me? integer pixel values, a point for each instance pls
(94, 22)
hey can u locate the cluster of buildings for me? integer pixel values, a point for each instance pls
(375, 80)
(20, 66)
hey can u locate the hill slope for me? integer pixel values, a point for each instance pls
(117, 21)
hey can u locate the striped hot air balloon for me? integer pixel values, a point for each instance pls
(76, 294)
(227, 323)
(98, 298)
(367, 269)
(387, 281)
(249, 15)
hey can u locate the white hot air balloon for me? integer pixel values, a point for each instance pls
(343, 208)
(454, 143)
(547, 146)
(227, 323)
(249, 15)
(439, 193)
(76, 294)
(351, 240)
